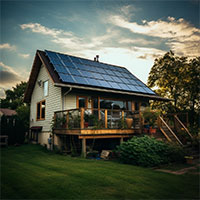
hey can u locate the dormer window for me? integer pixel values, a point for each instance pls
(46, 88)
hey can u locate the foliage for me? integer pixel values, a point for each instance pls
(23, 113)
(177, 78)
(74, 121)
(91, 119)
(148, 152)
(58, 122)
(16, 126)
(122, 124)
(14, 98)
(98, 124)
(150, 117)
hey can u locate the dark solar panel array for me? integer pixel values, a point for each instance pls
(91, 73)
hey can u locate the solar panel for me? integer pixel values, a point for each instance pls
(116, 79)
(107, 77)
(80, 80)
(87, 74)
(81, 71)
(93, 82)
(67, 78)
(74, 72)
(104, 83)
(115, 85)
(96, 75)
(124, 86)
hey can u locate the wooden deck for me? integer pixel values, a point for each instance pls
(109, 127)
(97, 133)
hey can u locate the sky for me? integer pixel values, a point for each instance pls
(125, 33)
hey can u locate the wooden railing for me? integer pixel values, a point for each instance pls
(162, 123)
(182, 126)
(95, 119)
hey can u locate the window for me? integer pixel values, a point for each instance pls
(45, 84)
(112, 104)
(82, 102)
(41, 110)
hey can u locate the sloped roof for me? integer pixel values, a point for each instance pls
(7, 112)
(84, 74)
(76, 70)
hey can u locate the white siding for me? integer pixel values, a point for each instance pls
(70, 100)
(53, 101)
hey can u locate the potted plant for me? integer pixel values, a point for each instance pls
(129, 121)
(150, 119)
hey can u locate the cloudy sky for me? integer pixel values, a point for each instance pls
(127, 33)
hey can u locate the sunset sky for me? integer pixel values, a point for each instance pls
(127, 33)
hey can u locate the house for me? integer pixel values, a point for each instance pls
(8, 125)
(7, 112)
(85, 100)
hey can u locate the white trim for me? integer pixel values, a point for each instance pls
(112, 91)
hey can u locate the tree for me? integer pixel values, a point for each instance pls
(177, 78)
(14, 97)
(19, 124)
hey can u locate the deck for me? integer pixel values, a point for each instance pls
(97, 123)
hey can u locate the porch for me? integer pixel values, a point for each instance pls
(87, 124)
(97, 122)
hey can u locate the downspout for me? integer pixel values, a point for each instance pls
(68, 91)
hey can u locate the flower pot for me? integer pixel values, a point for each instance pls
(86, 124)
(189, 159)
(152, 130)
(129, 122)
(145, 130)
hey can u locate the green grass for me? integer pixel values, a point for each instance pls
(30, 172)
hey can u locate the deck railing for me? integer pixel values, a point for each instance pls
(96, 119)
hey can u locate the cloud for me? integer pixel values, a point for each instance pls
(129, 10)
(139, 41)
(2, 92)
(8, 76)
(182, 37)
(38, 28)
(7, 46)
(24, 55)
(67, 39)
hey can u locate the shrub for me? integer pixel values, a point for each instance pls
(148, 152)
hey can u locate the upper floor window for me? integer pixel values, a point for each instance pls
(46, 87)
(41, 110)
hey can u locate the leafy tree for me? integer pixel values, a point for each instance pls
(19, 124)
(14, 97)
(23, 115)
(177, 78)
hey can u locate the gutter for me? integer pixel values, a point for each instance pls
(153, 97)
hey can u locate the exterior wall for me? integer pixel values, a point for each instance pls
(53, 103)
(70, 100)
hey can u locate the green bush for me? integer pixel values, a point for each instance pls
(148, 152)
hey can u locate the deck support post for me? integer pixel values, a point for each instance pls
(106, 118)
(82, 118)
(84, 148)
(122, 115)
(67, 120)
(121, 140)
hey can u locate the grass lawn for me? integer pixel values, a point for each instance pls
(31, 172)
